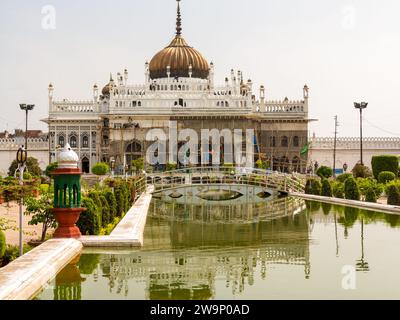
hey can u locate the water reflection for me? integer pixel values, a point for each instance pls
(189, 254)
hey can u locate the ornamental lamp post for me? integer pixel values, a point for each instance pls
(26, 108)
(361, 106)
(21, 158)
(67, 194)
(345, 167)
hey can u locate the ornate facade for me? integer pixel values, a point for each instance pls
(178, 86)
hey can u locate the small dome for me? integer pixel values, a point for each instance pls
(67, 158)
(107, 88)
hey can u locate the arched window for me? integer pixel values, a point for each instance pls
(85, 142)
(61, 141)
(226, 104)
(73, 141)
(139, 103)
(181, 102)
(296, 141)
(133, 151)
(285, 141)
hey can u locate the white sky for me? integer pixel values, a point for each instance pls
(344, 50)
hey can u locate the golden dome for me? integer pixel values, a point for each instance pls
(107, 88)
(178, 56)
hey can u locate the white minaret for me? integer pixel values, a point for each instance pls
(211, 76)
(190, 70)
(168, 72)
(51, 92)
(126, 76)
(147, 72)
(95, 93)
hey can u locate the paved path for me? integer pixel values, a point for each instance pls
(11, 212)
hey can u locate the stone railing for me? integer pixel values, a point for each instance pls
(74, 107)
(354, 143)
(284, 107)
(15, 143)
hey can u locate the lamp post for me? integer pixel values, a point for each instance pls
(361, 106)
(345, 167)
(21, 161)
(26, 108)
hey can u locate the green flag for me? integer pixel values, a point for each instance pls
(305, 148)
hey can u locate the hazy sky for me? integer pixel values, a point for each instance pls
(344, 50)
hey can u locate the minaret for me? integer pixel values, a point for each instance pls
(147, 72)
(95, 92)
(211, 75)
(51, 92)
(262, 97)
(126, 77)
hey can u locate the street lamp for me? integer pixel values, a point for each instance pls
(22, 157)
(26, 108)
(361, 106)
(345, 167)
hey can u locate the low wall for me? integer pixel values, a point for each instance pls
(351, 203)
(24, 277)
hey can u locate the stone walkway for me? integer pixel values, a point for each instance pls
(11, 212)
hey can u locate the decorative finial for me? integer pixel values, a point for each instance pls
(111, 78)
(178, 20)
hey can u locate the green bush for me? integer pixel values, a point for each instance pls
(351, 190)
(12, 252)
(100, 169)
(385, 163)
(370, 195)
(138, 164)
(326, 188)
(121, 201)
(261, 164)
(171, 166)
(386, 176)
(324, 172)
(365, 184)
(393, 194)
(360, 171)
(3, 244)
(343, 177)
(105, 218)
(90, 221)
(313, 186)
(338, 189)
(112, 202)
(50, 168)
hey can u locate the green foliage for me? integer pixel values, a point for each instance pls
(90, 221)
(385, 163)
(32, 167)
(112, 202)
(110, 227)
(105, 218)
(370, 195)
(40, 211)
(386, 176)
(326, 188)
(326, 208)
(351, 190)
(261, 164)
(100, 169)
(171, 166)
(313, 186)
(50, 168)
(324, 172)
(365, 184)
(12, 252)
(138, 164)
(338, 189)
(3, 244)
(360, 171)
(343, 177)
(393, 194)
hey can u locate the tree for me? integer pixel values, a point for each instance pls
(351, 190)
(112, 202)
(105, 219)
(138, 164)
(32, 165)
(385, 163)
(100, 169)
(370, 195)
(40, 211)
(3, 244)
(50, 168)
(393, 194)
(338, 189)
(313, 186)
(326, 188)
(324, 172)
(386, 176)
(361, 171)
(89, 221)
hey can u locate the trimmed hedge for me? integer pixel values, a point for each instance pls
(90, 220)
(370, 195)
(324, 172)
(351, 190)
(313, 186)
(385, 163)
(112, 202)
(326, 188)
(343, 177)
(105, 218)
(338, 190)
(386, 176)
(393, 194)
(101, 169)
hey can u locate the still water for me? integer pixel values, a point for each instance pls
(276, 249)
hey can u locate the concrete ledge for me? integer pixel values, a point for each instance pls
(129, 232)
(24, 277)
(351, 203)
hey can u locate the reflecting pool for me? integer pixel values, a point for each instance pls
(282, 248)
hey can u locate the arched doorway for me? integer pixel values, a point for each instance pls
(85, 165)
(133, 151)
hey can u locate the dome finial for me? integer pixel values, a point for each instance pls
(178, 20)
